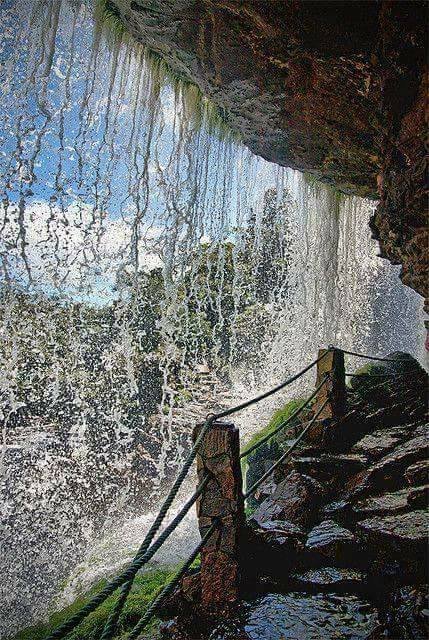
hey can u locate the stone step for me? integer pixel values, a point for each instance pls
(389, 471)
(296, 498)
(418, 497)
(385, 504)
(380, 442)
(332, 541)
(404, 531)
(418, 473)
(331, 579)
(330, 465)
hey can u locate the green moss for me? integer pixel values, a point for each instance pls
(361, 380)
(281, 415)
(145, 589)
(108, 15)
(199, 110)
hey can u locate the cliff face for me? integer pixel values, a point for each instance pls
(333, 88)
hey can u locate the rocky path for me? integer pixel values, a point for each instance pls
(337, 545)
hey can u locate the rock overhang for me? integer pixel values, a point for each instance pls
(336, 89)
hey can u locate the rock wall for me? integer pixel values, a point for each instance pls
(333, 88)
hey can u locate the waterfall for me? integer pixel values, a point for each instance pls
(151, 269)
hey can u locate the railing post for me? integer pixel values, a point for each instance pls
(335, 388)
(222, 500)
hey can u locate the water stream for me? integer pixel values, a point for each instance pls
(151, 270)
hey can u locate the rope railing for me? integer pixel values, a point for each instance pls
(170, 587)
(287, 453)
(141, 558)
(147, 550)
(110, 627)
(288, 420)
(151, 544)
(368, 357)
(388, 374)
(267, 394)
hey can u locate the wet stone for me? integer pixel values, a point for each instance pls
(339, 509)
(395, 502)
(389, 471)
(418, 497)
(295, 499)
(284, 527)
(404, 529)
(281, 533)
(297, 616)
(330, 465)
(330, 539)
(418, 473)
(378, 443)
(329, 577)
(410, 616)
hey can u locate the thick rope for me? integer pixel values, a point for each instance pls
(111, 624)
(171, 585)
(258, 483)
(285, 423)
(388, 374)
(140, 559)
(248, 403)
(130, 572)
(367, 357)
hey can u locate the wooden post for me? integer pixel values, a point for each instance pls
(335, 389)
(222, 499)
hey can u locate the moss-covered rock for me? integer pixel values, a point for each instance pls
(255, 465)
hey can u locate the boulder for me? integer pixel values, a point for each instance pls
(283, 527)
(331, 540)
(405, 531)
(396, 546)
(339, 510)
(330, 466)
(281, 533)
(418, 497)
(378, 443)
(297, 499)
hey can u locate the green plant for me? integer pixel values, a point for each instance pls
(278, 417)
(145, 589)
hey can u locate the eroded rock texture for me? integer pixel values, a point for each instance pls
(333, 88)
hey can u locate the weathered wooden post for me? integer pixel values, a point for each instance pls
(222, 499)
(335, 388)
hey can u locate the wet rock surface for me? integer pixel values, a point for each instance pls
(409, 618)
(324, 467)
(379, 443)
(418, 473)
(293, 499)
(403, 529)
(387, 503)
(331, 540)
(329, 577)
(298, 616)
(389, 471)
